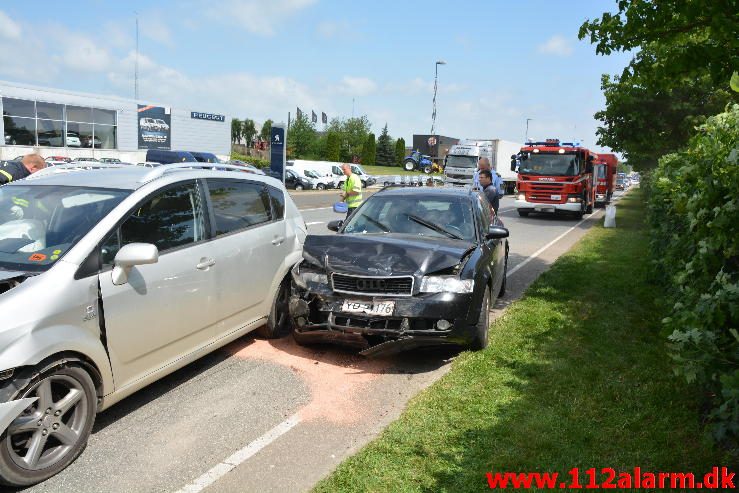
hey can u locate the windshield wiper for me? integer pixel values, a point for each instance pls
(377, 223)
(433, 226)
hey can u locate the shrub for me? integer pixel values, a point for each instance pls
(259, 163)
(693, 212)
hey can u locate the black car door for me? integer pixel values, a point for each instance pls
(493, 250)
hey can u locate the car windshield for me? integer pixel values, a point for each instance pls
(461, 161)
(423, 215)
(39, 224)
(311, 174)
(548, 164)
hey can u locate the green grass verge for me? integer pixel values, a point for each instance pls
(390, 170)
(576, 374)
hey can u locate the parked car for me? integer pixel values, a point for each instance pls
(148, 124)
(410, 267)
(59, 158)
(86, 159)
(297, 182)
(248, 167)
(167, 157)
(205, 157)
(113, 254)
(90, 142)
(161, 125)
(113, 160)
(365, 178)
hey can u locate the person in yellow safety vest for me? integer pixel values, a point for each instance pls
(17, 170)
(352, 193)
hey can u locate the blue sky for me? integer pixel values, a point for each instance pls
(506, 61)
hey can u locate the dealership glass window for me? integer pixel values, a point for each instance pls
(80, 114)
(50, 133)
(83, 131)
(49, 111)
(105, 117)
(19, 131)
(19, 107)
(105, 137)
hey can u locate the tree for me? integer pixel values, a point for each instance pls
(248, 130)
(352, 135)
(236, 131)
(333, 146)
(385, 151)
(266, 130)
(399, 151)
(301, 137)
(369, 151)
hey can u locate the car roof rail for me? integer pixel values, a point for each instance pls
(162, 170)
(74, 166)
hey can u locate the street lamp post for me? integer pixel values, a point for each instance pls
(436, 84)
(527, 130)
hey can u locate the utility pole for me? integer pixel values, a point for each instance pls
(436, 84)
(136, 62)
(526, 139)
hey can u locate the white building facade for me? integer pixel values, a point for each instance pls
(55, 122)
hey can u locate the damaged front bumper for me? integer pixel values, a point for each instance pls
(427, 319)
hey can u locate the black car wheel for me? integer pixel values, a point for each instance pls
(523, 213)
(480, 340)
(298, 187)
(501, 293)
(321, 186)
(52, 432)
(278, 322)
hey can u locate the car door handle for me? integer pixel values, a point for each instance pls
(205, 263)
(278, 240)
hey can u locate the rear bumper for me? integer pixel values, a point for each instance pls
(544, 207)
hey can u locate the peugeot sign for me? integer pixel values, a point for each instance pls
(207, 116)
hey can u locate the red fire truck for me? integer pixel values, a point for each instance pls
(553, 177)
(605, 174)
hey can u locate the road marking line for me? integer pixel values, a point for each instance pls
(545, 247)
(316, 209)
(314, 222)
(238, 457)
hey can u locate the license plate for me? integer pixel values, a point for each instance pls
(379, 308)
(556, 197)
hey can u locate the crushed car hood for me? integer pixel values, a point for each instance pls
(384, 255)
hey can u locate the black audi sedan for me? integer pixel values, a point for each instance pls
(411, 267)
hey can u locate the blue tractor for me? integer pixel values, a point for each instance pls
(418, 161)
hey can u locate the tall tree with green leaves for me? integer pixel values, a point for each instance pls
(301, 137)
(266, 130)
(236, 126)
(399, 151)
(333, 146)
(248, 130)
(385, 151)
(369, 151)
(685, 54)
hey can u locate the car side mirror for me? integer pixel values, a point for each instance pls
(496, 233)
(335, 225)
(130, 256)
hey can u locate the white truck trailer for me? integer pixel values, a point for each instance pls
(461, 161)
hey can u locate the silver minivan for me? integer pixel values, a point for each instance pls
(112, 278)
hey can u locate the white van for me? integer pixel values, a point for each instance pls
(320, 171)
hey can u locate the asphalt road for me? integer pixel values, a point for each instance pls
(267, 416)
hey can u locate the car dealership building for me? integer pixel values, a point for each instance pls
(55, 122)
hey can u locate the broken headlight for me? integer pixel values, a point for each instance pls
(446, 284)
(303, 274)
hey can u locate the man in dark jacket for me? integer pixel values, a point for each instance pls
(490, 190)
(17, 170)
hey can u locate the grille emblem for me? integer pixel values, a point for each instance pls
(371, 284)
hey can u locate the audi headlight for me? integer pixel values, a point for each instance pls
(446, 284)
(314, 277)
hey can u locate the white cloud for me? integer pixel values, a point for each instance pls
(556, 45)
(419, 85)
(8, 28)
(356, 86)
(154, 28)
(335, 29)
(257, 16)
(81, 53)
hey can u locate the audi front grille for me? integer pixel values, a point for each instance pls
(372, 286)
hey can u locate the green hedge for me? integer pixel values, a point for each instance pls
(259, 163)
(694, 216)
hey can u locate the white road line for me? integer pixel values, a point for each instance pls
(220, 470)
(548, 245)
(316, 209)
(314, 222)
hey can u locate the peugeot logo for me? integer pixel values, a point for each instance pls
(371, 284)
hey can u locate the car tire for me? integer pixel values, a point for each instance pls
(278, 323)
(523, 213)
(298, 187)
(481, 337)
(76, 419)
(364, 184)
(320, 186)
(427, 170)
(409, 165)
(503, 285)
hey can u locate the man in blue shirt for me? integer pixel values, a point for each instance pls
(498, 183)
(482, 164)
